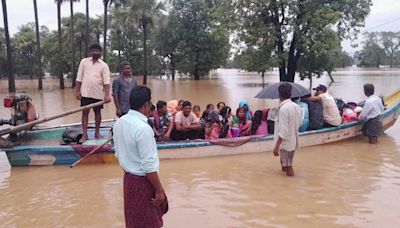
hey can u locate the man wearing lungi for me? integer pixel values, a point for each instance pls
(370, 115)
(286, 133)
(144, 199)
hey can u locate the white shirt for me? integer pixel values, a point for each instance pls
(373, 107)
(287, 125)
(134, 144)
(93, 76)
(330, 110)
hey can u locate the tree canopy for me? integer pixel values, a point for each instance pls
(194, 37)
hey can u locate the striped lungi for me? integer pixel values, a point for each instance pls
(373, 127)
(139, 212)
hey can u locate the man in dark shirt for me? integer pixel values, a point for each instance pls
(122, 87)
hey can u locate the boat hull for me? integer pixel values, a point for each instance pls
(40, 153)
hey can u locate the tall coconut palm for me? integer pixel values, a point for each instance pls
(107, 3)
(117, 21)
(87, 35)
(60, 73)
(10, 75)
(73, 76)
(60, 56)
(38, 51)
(143, 12)
(96, 25)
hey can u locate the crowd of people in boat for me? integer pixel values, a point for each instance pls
(181, 120)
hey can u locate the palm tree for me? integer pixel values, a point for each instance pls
(39, 55)
(11, 81)
(143, 12)
(107, 3)
(117, 25)
(60, 56)
(97, 27)
(73, 76)
(87, 36)
(60, 73)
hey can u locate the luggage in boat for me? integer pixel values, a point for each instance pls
(71, 135)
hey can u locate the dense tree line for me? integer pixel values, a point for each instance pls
(379, 48)
(191, 37)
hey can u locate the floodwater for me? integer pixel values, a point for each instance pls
(348, 183)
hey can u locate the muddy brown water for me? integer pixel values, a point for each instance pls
(348, 183)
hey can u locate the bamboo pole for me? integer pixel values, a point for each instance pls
(33, 123)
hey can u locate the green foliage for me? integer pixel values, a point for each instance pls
(204, 45)
(319, 54)
(292, 27)
(193, 37)
(372, 54)
(343, 60)
(24, 51)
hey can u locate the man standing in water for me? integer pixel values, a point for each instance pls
(373, 107)
(286, 133)
(144, 198)
(121, 88)
(93, 85)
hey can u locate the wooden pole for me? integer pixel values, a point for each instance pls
(33, 123)
(90, 153)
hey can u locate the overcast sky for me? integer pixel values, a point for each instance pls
(21, 12)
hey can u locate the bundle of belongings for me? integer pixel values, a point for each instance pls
(71, 135)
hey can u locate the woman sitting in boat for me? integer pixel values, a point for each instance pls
(258, 125)
(214, 128)
(227, 121)
(240, 121)
(173, 107)
(245, 105)
(163, 122)
(210, 107)
(220, 105)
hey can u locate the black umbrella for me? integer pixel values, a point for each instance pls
(271, 91)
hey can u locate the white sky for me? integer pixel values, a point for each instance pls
(21, 12)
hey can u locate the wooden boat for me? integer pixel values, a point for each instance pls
(42, 146)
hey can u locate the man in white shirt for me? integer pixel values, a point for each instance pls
(286, 133)
(187, 126)
(373, 108)
(93, 85)
(144, 198)
(330, 110)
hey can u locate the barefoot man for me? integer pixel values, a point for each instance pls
(92, 85)
(144, 198)
(287, 128)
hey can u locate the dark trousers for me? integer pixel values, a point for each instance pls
(183, 135)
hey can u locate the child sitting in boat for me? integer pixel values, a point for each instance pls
(196, 111)
(258, 126)
(240, 121)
